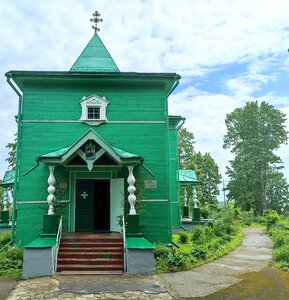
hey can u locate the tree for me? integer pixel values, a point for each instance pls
(254, 133)
(12, 153)
(204, 165)
(186, 148)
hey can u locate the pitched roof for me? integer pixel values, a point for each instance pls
(94, 58)
(8, 179)
(189, 177)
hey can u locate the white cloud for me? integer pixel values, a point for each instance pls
(192, 38)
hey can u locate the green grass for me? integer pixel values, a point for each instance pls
(198, 247)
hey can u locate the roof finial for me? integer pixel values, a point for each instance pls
(96, 19)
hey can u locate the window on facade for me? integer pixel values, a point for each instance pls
(93, 113)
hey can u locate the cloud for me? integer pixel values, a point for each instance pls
(194, 38)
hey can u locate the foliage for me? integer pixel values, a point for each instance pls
(197, 247)
(184, 237)
(271, 217)
(279, 233)
(254, 132)
(12, 153)
(204, 165)
(11, 258)
(5, 238)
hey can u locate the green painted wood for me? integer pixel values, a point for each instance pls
(84, 217)
(43, 242)
(138, 243)
(94, 58)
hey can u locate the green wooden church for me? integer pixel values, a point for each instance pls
(97, 166)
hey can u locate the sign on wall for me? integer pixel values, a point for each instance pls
(151, 184)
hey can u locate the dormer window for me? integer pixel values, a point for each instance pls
(93, 109)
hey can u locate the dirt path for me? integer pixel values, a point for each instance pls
(253, 255)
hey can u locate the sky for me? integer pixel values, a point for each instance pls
(227, 52)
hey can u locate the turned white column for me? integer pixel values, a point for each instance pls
(5, 200)
(51, 190)
(131, 189)
(186, 198)
(195, 199)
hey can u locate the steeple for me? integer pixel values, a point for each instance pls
(95, 57)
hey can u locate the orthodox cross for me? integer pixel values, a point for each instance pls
(96, 19)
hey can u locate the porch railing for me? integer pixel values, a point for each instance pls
(124, 244)
(58, 238)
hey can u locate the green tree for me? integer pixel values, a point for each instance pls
(204, 165)
(254, 132)
(186, 148)
(12, 153)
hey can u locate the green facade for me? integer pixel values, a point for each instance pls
(137, 123)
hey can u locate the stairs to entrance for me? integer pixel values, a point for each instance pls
(91, 253)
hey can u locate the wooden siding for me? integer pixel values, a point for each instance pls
(62, 103)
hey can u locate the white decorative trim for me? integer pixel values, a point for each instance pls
(39, 202)
(93, 101)
(80, 121)
(174, 202)
(155, 200)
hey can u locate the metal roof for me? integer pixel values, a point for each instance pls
(188, 177)
(94, 58)
(8, 179)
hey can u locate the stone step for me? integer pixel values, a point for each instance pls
(82, 267)
(91, 261)
(90, 254)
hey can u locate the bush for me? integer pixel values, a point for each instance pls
(184, 237)
(4, 239)
(161, 252)
(176, 262)
(11, 260)
(223, 228)
(271, 217)
(198, 234)
(281, 254)
(200, 252)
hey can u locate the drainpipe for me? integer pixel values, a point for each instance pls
(19, 122)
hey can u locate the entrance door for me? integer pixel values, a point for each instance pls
(92, 211)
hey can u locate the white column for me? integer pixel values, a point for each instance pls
(195, 199)
(186, 198)
(51, 190)
(5, 200)
(131, 189)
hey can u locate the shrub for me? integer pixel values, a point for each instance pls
(223, 228)
(184, 237)
(198, 234)
(282, 254)
(200, 252)
(4, 239)
(11, 260)
(271, 217)
(176, 262)
(161, 251)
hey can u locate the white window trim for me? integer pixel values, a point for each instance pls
(93, 101)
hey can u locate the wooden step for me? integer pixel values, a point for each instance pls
(82, 267)
(91, 261)
(91, 254)
(94, 254)
(91, 244)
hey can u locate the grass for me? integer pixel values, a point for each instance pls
(202, 245)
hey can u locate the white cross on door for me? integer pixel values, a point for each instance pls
(84, 195)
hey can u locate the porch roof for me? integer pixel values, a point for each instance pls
(8, 179)
(120, 156)
(188, 177)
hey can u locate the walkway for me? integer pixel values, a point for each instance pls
(254, 255)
